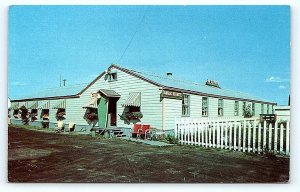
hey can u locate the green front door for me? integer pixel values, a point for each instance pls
(102, 112)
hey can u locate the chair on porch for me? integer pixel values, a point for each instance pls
(144, 131)
(60, 127)
(136, 130)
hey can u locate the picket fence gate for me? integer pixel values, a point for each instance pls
(240, 134)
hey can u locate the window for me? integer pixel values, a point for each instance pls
(16, 113)
(33, 114)
(262, 109)
(45, 114)
(60, 114)
(272, 107)
(204, 106)
(220, 107)
(112, 76)
(186, 105)
(244, 108)
(236, 108)
(268, 108)
(253, 109)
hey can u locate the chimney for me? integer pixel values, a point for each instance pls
(64, 82)
(169, 74)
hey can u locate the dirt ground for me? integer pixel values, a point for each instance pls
(40, 156)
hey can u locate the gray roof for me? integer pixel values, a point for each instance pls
(71, 90)
(109, 93)
(171, 82)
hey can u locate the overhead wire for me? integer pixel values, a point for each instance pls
(135, 32)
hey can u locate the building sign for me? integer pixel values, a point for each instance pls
(171, 94)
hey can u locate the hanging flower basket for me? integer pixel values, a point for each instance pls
(135, 115)
(92, 116)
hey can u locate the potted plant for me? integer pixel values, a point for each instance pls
(25, 115)
(134, 115)
(92, 116)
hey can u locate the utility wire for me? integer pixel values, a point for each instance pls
(135, 32)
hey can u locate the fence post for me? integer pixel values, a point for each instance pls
(188, 132)
(226, 135)
(192, 132)
(209, 134)
(230, 135)
(259, 138)
(265, 135)
(275, 137)
(185, 132)
(254, 137)
(234, 135)
(206, 134)
(244, 136)
(181, 131)
(270, 137)
(222, 134)
(176, 127)
(249, 136)
(287, 139)
(202, 133)
(214, 134)
(218, 134)
(240, 135)
(195, 132)
(281, 139)
(198, 131)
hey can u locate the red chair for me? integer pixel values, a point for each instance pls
(145, 129)
(136, 130)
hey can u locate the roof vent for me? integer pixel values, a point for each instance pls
(212, 83)
(169, 74)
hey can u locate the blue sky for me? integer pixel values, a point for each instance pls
(244, 48)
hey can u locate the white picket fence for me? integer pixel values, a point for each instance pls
(240, 134)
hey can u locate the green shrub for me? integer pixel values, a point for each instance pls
(172, 139)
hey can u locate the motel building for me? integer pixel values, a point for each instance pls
(120, 97)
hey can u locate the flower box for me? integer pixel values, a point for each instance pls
(92, 116)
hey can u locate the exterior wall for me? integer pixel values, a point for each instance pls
(228, 108)
(52, 112)
(173, 108)
(22, 103)
(257, 109)
(195, 106)
(151, 106)
(283, 113)
(241, 111)
(75, 112)
(212, 107)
